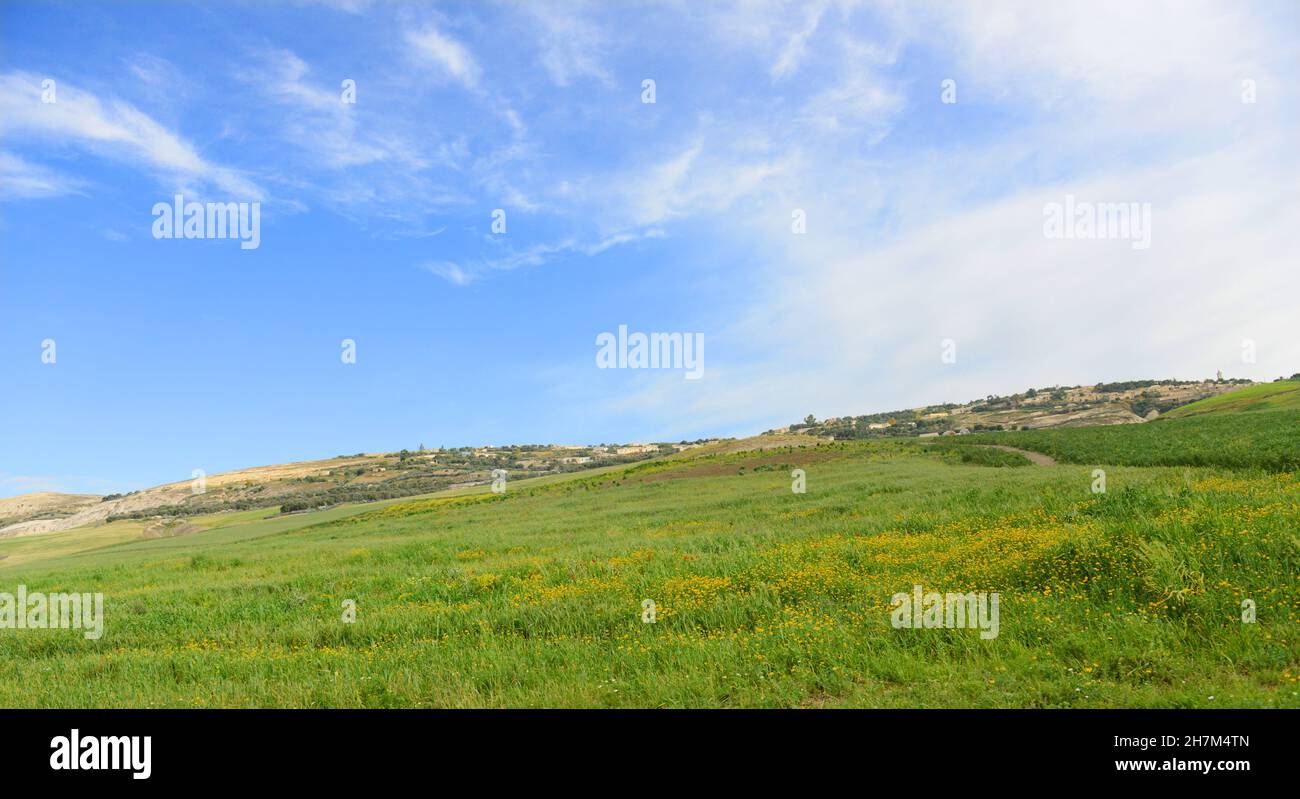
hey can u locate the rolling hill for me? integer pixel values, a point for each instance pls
(1128, 402)
(707, 578)
(312, 485)
(1282, 395)
(43, 505)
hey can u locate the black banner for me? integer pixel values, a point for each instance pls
(331, 748)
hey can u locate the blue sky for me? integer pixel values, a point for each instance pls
(924, 218)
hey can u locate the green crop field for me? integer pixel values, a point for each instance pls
(762, 596)
(1267, 440)
(1256, 427)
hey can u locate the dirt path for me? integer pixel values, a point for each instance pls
(1038, 458)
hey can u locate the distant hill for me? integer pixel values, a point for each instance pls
(1283, 395)
(309, 485)
(43, 505)
(1129, 402)
(312, 485)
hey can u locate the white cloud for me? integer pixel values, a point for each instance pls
(112, 129)
(320, 121)
(696, 179)
(570, 45)
(536, 255)
(472, 271)
(850, 316)
(450, 56)
(797, 45)
(1116, 68)
(22, 180)
(859, 104)
(845, 326)
(449, 271)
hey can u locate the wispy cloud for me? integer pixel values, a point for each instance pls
(571, 45)
(922, 219)
(22, 180)
(451, 272)
(797, 45)
(462, 274)
(111, 129)
(432, 46)
(849, 317)
(320, 120)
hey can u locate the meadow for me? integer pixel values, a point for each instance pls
(762, 597)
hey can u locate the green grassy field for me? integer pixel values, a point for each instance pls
(1264, 439)
(1283, 395)
(763, 597)
(1256, 427)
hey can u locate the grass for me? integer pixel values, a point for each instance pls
(957, 451)
(1260, 439)
(763, 597)
(1282, 395)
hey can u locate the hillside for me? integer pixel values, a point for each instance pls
(1254, 427)
(1268, 440)
(346, 479)
(1130, 402)
(43, 505)
(1281, 395)
(317, 484)
(760, 596)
